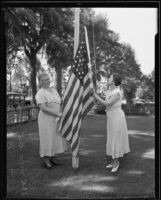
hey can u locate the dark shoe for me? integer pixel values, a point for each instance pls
(47, 163)
(54, 161)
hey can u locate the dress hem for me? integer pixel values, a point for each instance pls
(117, 156)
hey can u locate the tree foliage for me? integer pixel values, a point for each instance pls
(109, 55)
(60, 46)
(14, 19)
(148, 86)
(52, 28)
(51, 23)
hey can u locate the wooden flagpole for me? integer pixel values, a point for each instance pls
(95, 76)
(89, 63)
(76, 29)
(75, 158)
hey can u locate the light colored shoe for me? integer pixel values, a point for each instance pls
(114, 169)
(109, 166)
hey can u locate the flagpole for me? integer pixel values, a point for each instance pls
(89, 64)
(95, 71)
(75, 157)
(76, 29)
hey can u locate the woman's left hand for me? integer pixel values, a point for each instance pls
(108, 106)
(95, 95)
(59, 115)
(92, 91)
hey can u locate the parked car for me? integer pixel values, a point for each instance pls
(28, 101)
(15, 99)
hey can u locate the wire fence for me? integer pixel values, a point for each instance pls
(22, 114)
(27, 113)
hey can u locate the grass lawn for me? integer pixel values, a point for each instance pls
(26, 176)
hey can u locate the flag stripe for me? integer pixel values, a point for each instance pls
(77, 99)
(76, 129)
(87, 107)
(70, 132)
(76, 136)
(70, 87)
(75, 148)
(70, 106)
(73, 117)
(75, 140)
(87, 96)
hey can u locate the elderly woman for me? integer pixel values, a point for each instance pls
(51, 142)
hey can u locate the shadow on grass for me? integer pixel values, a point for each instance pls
(135, 177)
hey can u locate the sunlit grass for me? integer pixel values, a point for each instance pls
(99, 188)
(135, 172)
(149, 154)
(134, 132)
(11, 134)
(86, 182)
(135, 176)
(85, 152)
(97, 136)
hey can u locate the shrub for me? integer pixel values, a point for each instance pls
(99, 109)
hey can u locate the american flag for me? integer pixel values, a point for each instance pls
(77, 99)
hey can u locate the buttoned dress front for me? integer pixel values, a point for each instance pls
(117, 135)
(51, 141)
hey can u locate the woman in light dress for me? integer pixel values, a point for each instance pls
(117, 136)
(51, 142)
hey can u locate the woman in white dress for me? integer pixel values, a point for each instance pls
(117, 136)
(51, 142)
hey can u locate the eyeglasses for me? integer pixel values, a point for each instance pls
(45, 80)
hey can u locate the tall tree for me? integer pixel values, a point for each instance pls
(49, 24)
(148, 86)
(60, 46)
(98, 34)
(10, 67)
(109, 54)
(14, 18)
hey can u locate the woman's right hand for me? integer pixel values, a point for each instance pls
(95, 95)
(59, 115)
(92, 91)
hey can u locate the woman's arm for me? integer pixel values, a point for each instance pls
(112, 100)
(100, 100)
(49, 111)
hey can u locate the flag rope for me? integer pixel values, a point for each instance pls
(94, 51)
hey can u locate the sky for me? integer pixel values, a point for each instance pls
(137, 27)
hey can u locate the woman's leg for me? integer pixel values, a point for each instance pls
(111, 164)
(115, 162)
(115, 165)
(46, 161)
(55, 161)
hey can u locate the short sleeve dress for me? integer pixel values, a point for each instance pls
(117, 135)
(51, 141)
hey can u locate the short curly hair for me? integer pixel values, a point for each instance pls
(116, 79)
(41, 75)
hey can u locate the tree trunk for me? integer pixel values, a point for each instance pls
(94, 81)
(10, 83)
(59, 80)
(33, 76)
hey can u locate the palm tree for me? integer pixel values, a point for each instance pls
(60, 47)
(14, 18)
(48, 24)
